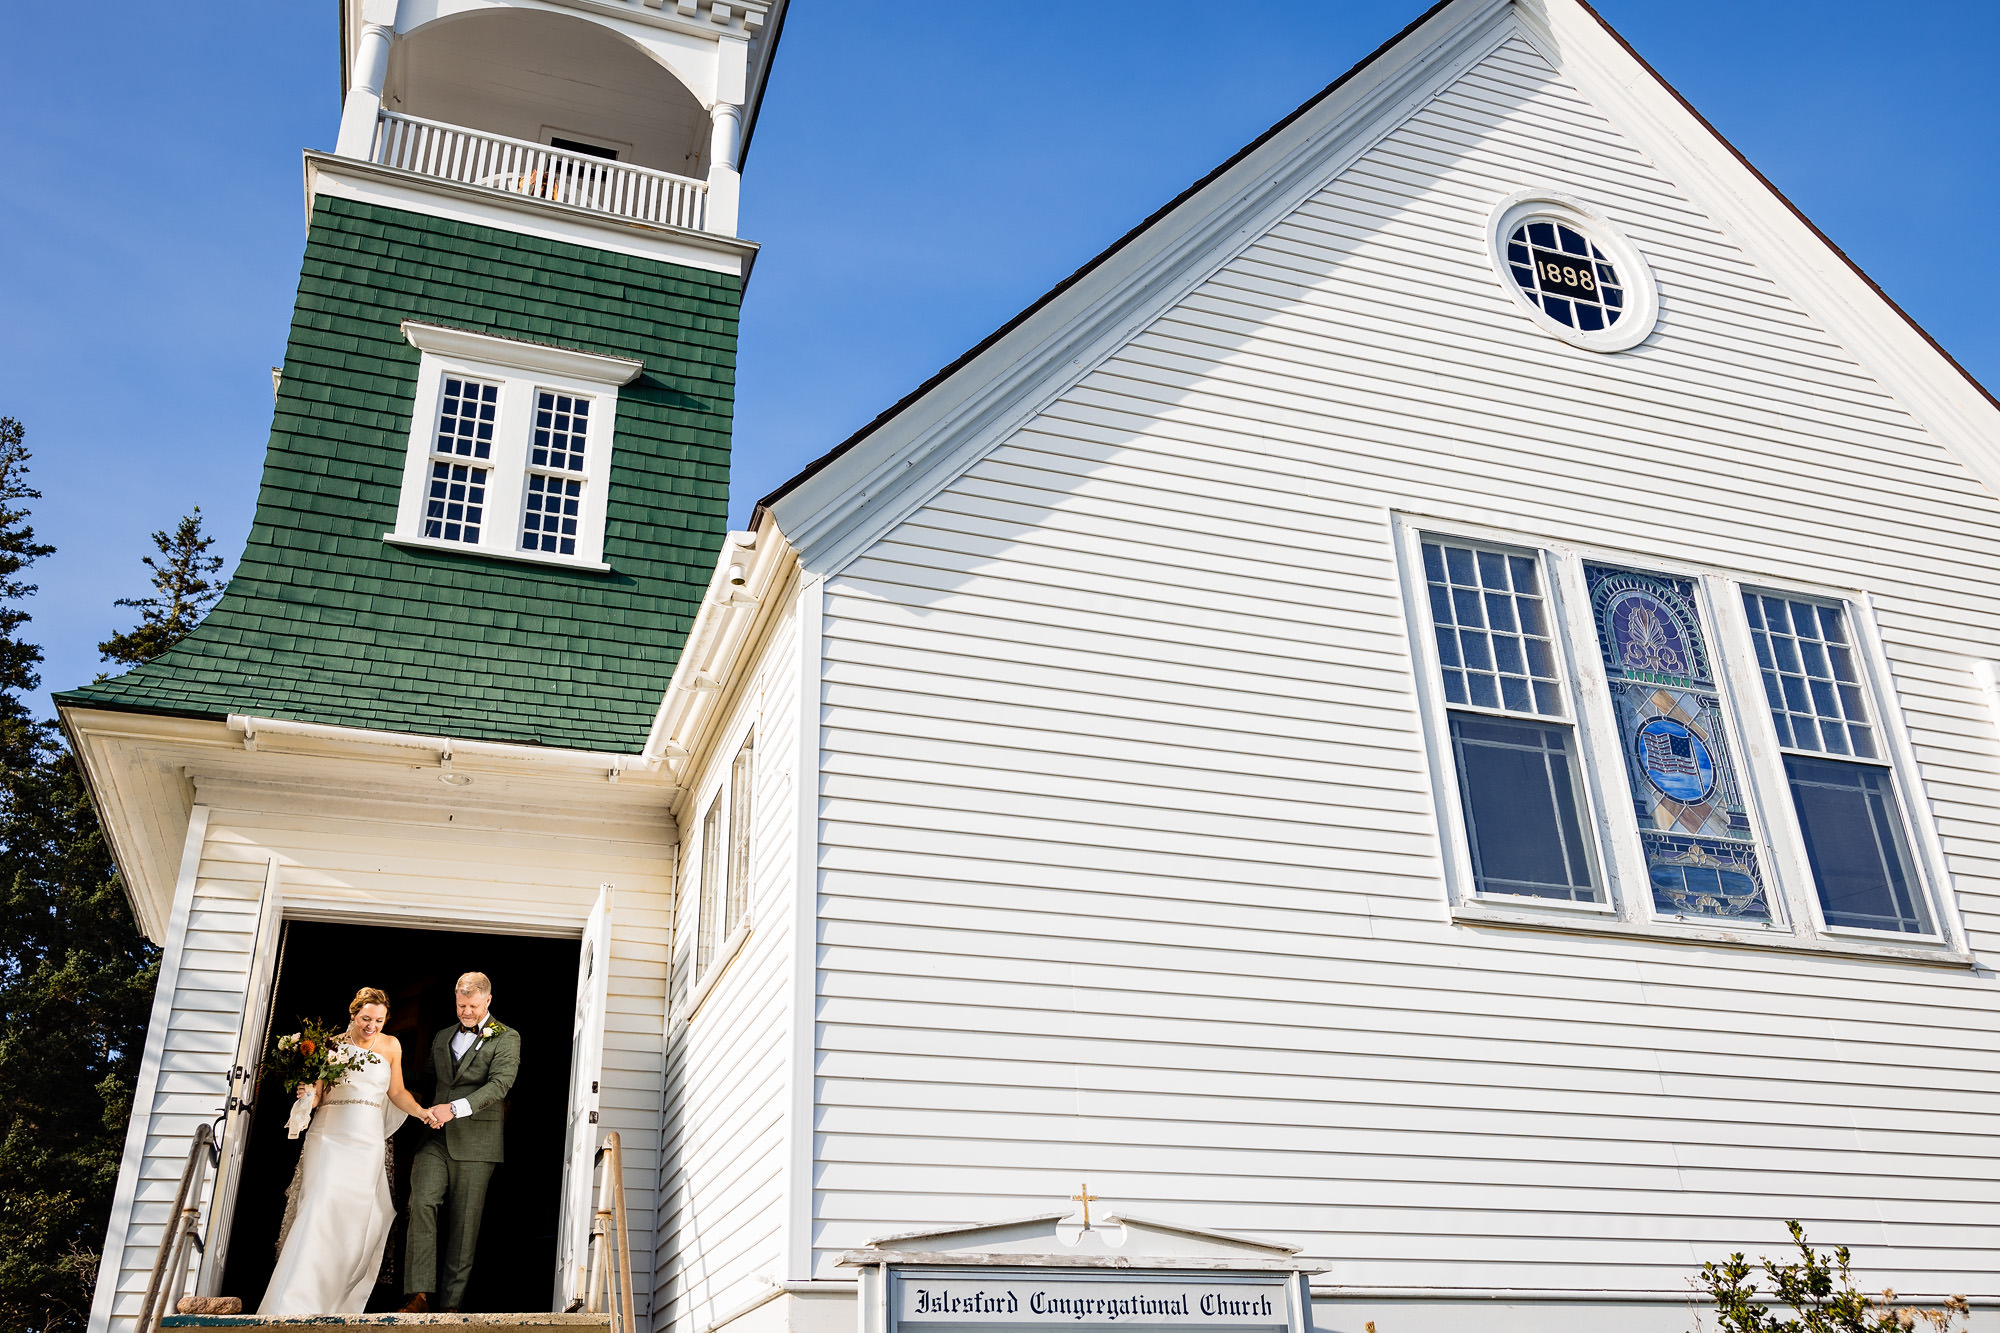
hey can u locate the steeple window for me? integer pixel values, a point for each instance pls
(457, 502)
(465, 418)
(503, 427)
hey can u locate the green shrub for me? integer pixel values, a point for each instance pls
(1820, 1293)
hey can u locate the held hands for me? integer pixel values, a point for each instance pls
(439, 1116)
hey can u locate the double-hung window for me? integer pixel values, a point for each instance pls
(461, 449)
(1513, 743)
(1628, 787)
(556, 448)
(510, 447)
(722, 906)
(1843, 787)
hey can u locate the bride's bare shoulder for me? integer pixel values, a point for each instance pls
(391, 1044)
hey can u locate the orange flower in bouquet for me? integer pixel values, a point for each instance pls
(305, 1059)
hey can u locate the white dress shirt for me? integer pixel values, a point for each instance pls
(459, 1041)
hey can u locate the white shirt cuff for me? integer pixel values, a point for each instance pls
(461, 1107)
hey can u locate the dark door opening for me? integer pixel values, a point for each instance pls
(534, 992)
(578, 146)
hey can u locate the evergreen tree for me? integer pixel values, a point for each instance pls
(183, 593)
(76, 977)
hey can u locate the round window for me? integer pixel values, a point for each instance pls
(1577, 276)
(1571, 278)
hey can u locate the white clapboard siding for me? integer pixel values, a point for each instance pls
(1130, 868)
(378, 859)
(722, 1170)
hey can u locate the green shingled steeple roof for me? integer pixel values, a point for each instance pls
(324, 622)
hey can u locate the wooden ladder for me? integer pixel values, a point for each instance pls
(610, 1245)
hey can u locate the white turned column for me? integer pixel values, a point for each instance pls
(725, 137)
(725, 132)
(364, 95)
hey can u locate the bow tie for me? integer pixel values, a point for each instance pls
(468, 1032)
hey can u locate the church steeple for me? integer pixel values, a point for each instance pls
(498, 469)
(636, 109)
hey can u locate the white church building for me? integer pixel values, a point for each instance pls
(1425, 723)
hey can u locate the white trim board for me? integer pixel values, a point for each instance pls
(124, 1198)
(391, 187)
(843, 503)
(875, 481)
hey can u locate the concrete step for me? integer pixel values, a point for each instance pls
(322, 1323)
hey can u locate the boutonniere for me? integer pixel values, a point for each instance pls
(492, 1027)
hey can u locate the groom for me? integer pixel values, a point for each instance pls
(474, 1065)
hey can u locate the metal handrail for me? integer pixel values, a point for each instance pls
(610, 1244)
(172, 1261)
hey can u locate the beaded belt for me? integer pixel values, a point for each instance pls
(352, 1101)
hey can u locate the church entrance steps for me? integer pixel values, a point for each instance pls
(483, 1323)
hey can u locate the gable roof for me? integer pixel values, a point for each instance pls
(828, 508)
(1059, 1240)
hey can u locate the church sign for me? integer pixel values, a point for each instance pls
(1050, 1271)
(1153, 1300)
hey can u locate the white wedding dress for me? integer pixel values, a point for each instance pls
(333, 1252)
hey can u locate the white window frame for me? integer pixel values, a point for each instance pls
(740, 873)
(1642, 309)
(1461, 881)
(722, 908)
(1796, 918)
(522, 370)
(1925, 847)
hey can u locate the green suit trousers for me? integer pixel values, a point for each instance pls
(435, 1177)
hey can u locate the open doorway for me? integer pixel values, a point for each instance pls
(534, 992)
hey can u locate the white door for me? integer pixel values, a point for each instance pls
(243, 1078)
(586, 1067)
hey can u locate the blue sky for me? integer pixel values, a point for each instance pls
(921, 172)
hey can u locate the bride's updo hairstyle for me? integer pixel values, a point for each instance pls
(365, 996)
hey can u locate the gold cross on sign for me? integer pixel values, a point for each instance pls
(1086, 1198)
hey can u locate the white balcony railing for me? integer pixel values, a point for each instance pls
(515, 166)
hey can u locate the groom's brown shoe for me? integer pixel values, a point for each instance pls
(419, 1303)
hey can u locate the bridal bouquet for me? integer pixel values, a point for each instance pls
(311, 1055)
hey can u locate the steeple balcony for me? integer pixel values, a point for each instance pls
(633, 111)
(573, 177)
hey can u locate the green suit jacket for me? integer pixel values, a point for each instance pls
(483, 1077)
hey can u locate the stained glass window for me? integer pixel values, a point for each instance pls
(1518, 780)
(1694, 823)
(1848, 812)
(1566, 274)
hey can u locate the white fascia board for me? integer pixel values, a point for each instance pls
(834, 514)
(392, 187)
(442, 340)
(720, 645)
(1799, 258)
(142, 806)
(146, 771)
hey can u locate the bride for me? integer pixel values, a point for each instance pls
(333, 1252)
